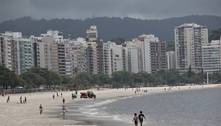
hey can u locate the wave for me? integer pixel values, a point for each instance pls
(97, 110)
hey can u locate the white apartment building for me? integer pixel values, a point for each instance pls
(107, 60)
(92, 59)
(77, 52)
(112, 58)
(133, 59)
(92, 34)
(151, 53)
(25, 54)
(189, 39)
(211, 56)
(171, 61)
(8, 50)
(16, 52)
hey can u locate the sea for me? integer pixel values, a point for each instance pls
(180, 108)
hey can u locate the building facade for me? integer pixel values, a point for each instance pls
(189, 39)
(171, 61)
(25, 55)
(211, 56)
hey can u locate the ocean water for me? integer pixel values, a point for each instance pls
(183, 108)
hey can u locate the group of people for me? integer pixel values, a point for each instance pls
(21, 100)
(138, 118)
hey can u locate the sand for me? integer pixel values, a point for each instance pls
(16, 114)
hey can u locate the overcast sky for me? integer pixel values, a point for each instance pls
(80, 9)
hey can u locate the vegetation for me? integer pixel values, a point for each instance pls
(170, 46)
(215, 34)
(37, 77)
(8, 79)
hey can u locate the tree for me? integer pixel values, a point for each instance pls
(33, 80)
(82, 80)
(41, 76)
(52, 78)
(215, 34)
(171, 46)
(8, 79)
(121, 78)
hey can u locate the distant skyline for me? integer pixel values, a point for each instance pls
(80, 9)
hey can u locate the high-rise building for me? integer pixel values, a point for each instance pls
(94, 42)
(77, 51)
(112, 57)
(211, 56)
(189, 39)
(92, 34)
(52, 52)
(154, 53)
(24, 54)
(107, 60)
(7, 50)
(151, 53)
(125, 58)
(92, 59)
(133, 59)
(171, 62)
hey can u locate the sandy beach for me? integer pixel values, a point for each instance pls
(16, 114)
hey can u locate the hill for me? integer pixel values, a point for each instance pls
(108, 28)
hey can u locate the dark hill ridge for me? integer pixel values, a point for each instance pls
(108, 28)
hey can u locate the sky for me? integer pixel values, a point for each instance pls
(81, 9)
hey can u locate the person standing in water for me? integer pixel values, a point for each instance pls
(135, 119)
(141, 117)
(40, 109)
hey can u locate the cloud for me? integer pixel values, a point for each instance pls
(78, 9)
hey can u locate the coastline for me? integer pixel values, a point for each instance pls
(14, 113)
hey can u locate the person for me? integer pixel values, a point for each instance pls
(21, 99)
(57, 94)
(8, 99)
(135, 119)
(72, 96)
(63, 101)
(53, 96)
(40, 109)
(141, 117)
(25, 100)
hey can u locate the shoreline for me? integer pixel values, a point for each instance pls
(14, 113)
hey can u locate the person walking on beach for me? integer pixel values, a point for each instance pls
(25, 100)
(135, 119)
(141, 117)
(53, 96)
(40, 109)
(63, 101)
(8, 99)
(21, 99)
